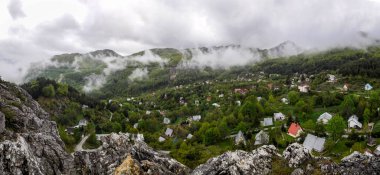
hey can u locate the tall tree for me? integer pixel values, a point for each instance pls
(347, 106)
(335, 127)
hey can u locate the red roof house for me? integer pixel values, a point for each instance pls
(294, 130)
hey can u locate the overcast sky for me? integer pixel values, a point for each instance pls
(33, 30)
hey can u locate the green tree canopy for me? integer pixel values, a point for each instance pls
(335, 127)
(48, 91)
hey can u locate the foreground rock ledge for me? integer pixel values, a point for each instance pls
(123, 154)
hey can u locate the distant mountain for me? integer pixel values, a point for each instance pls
(287, 48)
(106, 68)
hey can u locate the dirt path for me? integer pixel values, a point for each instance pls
(79, 147)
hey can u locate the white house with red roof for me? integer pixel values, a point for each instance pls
(295, 130)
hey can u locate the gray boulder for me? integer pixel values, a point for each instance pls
(238, 162)
(296, 154)
(121, 153)
(29, 143)
(2, 122)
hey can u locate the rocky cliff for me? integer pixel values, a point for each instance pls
(124, 154)
(30, 144)
(29, 141)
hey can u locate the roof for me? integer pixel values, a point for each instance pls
(261, 138)
(353, 121)
(168, 132)
(278, 115)
(294, 129)
(268, 121)
(327, 116)
(196, 117)
(161, 139)
(166, 120)
(313, 142)
(239, 138)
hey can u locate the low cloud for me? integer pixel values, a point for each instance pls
(138, 74)
(221, 58)
(15, 9)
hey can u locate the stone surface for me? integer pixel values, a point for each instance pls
(120, 152)
(2, 122)
(258, 161)
(355, 163)
(296, 154)
(298, 171)
(29, 142)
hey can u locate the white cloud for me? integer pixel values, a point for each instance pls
(15, 9)
(35, 30)
(139, 74)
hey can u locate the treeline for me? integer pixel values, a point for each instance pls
(42, 87)
(346, 61)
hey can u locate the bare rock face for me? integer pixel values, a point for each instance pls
(121, 153)
(29, 141)
(2, 122)
(296, 154)
(258, 161)
(355, 163)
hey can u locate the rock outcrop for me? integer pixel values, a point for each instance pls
(296, 154)
(258, 161)
(122, 153)
(29, 141)
(355, 163)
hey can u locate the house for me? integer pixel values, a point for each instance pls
(295, 130)
(196, 117)
(169, 132)
(166, 121)
(332, 78)
(278, 116)
(259, 98)
(324, 118)
(136, 125)
(345, 87)
(189, 136)
(285, 101)
(241, 91)
(196, 102)
(313, 142)
(163, 113)
(148, 112)
(377, 150)
(371, 141)
(208, 98)
(370, 126)
(238, 103)
(353, 122)
(221, 95)
(70, 130)
(368, 87)
(261, 138)
(304, 88)
(239, 138)
(161, 139)
(216, 105)
(268, 121)
(82, 122)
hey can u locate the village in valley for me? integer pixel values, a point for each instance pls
(196, 121)
(196, 114)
